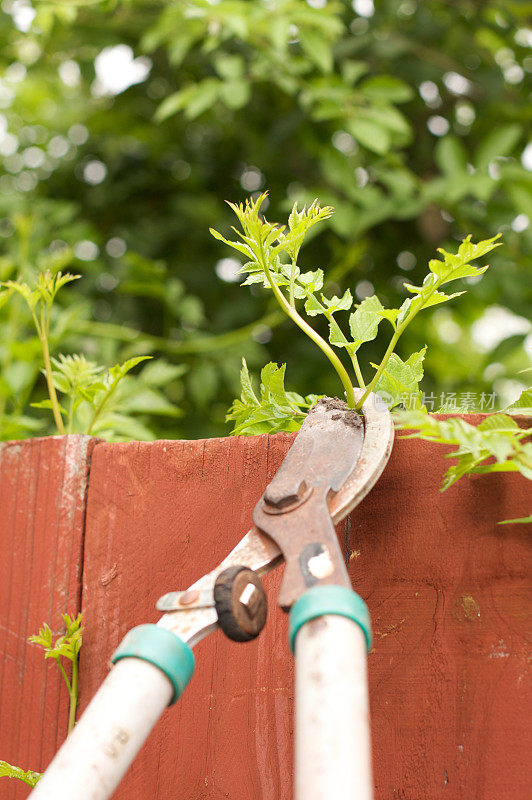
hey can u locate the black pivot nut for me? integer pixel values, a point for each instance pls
(240, 603)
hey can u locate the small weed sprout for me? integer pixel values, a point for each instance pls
(66, 646)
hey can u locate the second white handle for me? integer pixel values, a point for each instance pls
(333, 752)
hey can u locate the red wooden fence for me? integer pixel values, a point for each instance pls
(446, 586)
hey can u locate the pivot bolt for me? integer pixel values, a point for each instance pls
(240, 603)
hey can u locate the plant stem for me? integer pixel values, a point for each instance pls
(101, 404)
(358, 373)
(292, 283)
(380, 369)
(42, 331)
(73, 696)
(63, 673)
(311, 333)
(70, 415)
(391, 347)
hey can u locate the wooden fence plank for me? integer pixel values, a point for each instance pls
(445, 586)
(43, 485)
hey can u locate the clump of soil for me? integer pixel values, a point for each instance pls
(348, 415)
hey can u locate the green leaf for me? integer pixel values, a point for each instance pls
(336, 336)
(312, 281)
(458, 265)
(193, 100)
(313, 306)
(248, 395)
(277, 409)
(498, 143)
(523, 404)
(514, 521)
(370, 135)
(497, 437)
(317, 48)
(451, 156)
(229, 67)
(120, 370)
(159, 372)
(235, 94)
(364, 322)
(390, 314)
(48, 405)
(387, 88)
(399, 382)
(28, 777)
(335, 303)
(204, 96)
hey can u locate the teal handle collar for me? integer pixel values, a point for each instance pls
(163, 649)
(321, 600)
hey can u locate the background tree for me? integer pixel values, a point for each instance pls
(125, 124)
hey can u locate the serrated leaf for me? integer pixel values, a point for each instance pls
(364, 322)
(390, 314)
(336, 336)
(277, 409)
(399, 382)
(335, 303)
(312, 280)
(313, 306)
(523, 404)
(48, 405)
(248, 395)
(118, 371)
(497, 437)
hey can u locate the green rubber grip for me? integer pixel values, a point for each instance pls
(321, 600)
(163, 649)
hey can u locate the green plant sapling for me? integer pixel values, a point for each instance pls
(272, 253)
(66, 646)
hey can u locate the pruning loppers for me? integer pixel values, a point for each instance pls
(334, 462)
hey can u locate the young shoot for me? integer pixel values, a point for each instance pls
(65, 646)
(88, 389)
(40, 298)
(272, 255)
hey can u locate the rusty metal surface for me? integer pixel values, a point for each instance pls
(260, 553)
(294, 509)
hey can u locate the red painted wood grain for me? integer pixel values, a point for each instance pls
(43, 485)
(447, 588)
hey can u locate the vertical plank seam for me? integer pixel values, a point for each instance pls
(52, 580)
(36, 491)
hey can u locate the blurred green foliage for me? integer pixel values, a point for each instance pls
(125, 124)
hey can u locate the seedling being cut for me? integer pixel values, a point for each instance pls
(272, 251)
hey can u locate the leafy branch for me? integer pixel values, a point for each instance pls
(273, 251)
(497, 444)
(275, 409)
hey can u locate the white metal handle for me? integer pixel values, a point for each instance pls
(333, 751)
(98, 752)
